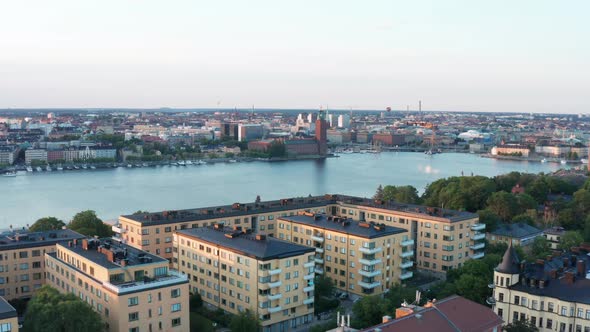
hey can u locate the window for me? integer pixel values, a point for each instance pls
(516, 299)
(176, 322)
(133, 316)
(549, 323)
(175, 293)
(132, 301)
(175, 307)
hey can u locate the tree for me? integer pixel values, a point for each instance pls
(568, 219)
(369, 311)
(503, 204)
(195, 301)
(523, 218)
(49, 310)
(277, 149)
(379, 193)
(398, 294)
(473, 287)
(245, 321)
(581, 201)
(87, 223)
(520, 326)
(489, 218)
(540, 247)
(401, 194)
(570, 239)
(587, 229)
(538, 189)
(46, 224)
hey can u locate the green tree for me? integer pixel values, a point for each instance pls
(46, 224)
(540, 247)
(586, 230)
(195, 301)
(473, 287)
(489, 218)
(523, 218)
(369, 311)
(245, 321)
(568, 219)
(49, 310)
(526, 202)
(520, 325)
(87, 223)
(401, 194)
(379, 193)
(398, 294)
(570, 239)
(503, 204)
(277, 149)
(538, 189)
(460, 193)
(581, 202)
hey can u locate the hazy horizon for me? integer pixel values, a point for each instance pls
(456, 55)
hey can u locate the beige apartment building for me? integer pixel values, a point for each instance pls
(553, 294)
(8, 317)
(132, 290)
(444, 239)
(361, 258)
(22, 263)
(235, 270)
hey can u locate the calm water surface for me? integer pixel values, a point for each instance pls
(113, 192)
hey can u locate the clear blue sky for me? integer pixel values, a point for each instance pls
(525, 55)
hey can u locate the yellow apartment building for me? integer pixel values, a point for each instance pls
(236, 270)
(22, 263)
(361, 258)
(8, 317)
(132, 290)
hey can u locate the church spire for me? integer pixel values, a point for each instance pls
(510, 262)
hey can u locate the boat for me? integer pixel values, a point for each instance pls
(29, 169)
(544, 160)
(69, 168)
(60, 168)
(39, 169)
(92, 167)
(9, 174)
(144, 165)
(129, 165)
(76, 167)
(181, 163)
(84, 166)
(48, 168)
(200, 162)
(563, 161)
(232, 161)
(188, 162)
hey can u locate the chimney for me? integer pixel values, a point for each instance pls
(386, 319)
(581, 268)
(540, 262)
(70, 244)
(553, 274)
(566, 262)
(110, 255)
(85, 244)
(260, 237)
(75, 242)
(569, 278)
(124, 262)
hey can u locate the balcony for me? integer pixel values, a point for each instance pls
(308, 301)
(370, 261)
(309, 288)
(275, 284)
(491, 301)
(492, 286)
(478, 227)
(173, 278)
(478, 246)
(406, 254)
(406, 243)
(478, 236)
(406, 265)
(318, 260)
(271, 272)
(274, 309)
(318, 270)
(308, 265)
(319, 250)
(273, 297)
(118, 229)
(369, 285)
(309, 276)
(406, 275)
(370, 251)
(369, 273)
(477, 255)
(317, 238)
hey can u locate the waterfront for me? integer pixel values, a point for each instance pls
(112, 192)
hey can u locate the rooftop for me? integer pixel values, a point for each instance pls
(25, 239)
(344, 225)
(256, 246)
(6, 310)
(518, 231)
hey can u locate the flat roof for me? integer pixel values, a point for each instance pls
(246, 244)
(26, 239)
(346, 226)
(121, 251)
(6, 310)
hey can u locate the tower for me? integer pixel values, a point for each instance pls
(321, 134)
(506, 274)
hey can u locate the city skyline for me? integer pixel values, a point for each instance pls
(456, 56)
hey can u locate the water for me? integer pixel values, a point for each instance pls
(112, 192)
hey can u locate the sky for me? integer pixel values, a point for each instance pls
(455, 55)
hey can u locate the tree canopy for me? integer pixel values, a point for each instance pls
(50, 310)
(570, 239)
(46, 224)
(520, 325)
(246, 321)
(369, 311)
(87, 223)
(401, 194)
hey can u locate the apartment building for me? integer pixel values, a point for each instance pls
(132, 290)
(8, 317)
(235, 270)
(22, 265)
(444, 239)
(361, 258)
(552, 293)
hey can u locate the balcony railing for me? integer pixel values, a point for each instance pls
(308, 265)
(370, 251)
(477, 255)
(406, 265)
(118, 229)
(319, 250)
(308, 301)
(406, 275)
(478, 236)
(478, 227)
(317, 238)
(308, 276)
(173, 278)
(478, 246)
(318, 271)
(309, 288)
(406, 243)
(271, 272)
(370, 261)
(275, 284)
(406, 254)
(274, 309)
(369, 273)
(318, 260)
(369, 285)
(273, 297)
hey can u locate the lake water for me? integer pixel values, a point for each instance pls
(112, 192)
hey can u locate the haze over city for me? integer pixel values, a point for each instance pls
(526, 56)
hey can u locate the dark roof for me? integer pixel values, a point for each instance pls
(347, 226)
(510, 262)
(555, 230)
(26, 239)
(133, 255)
(518, 230)
(6, 310)
(453, 313)
(246, 244)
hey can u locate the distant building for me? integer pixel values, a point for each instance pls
(8, 154)
(302, 147)
(344, 121)
(520, 234)
(35, 155)
(8, 317)
(247, 132)
(321, 128)
(511, 150)
(553, 235)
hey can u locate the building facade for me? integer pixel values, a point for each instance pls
(235, 270)
(8, 317)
